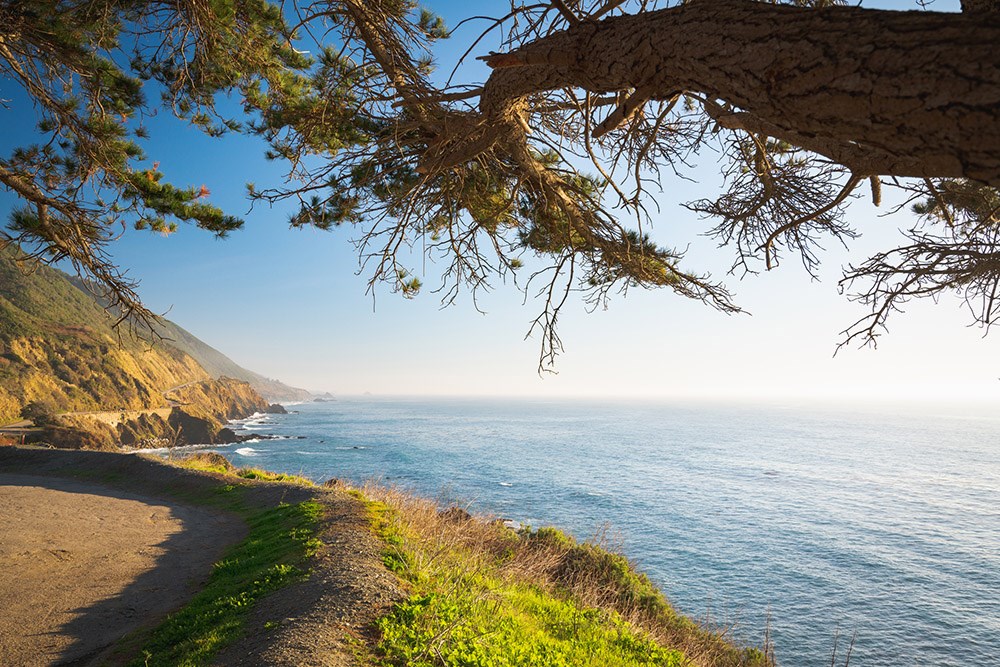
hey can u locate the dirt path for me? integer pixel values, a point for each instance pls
(89, 550)
(84, 564)
(324, 620)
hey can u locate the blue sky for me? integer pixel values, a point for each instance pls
(290, 304)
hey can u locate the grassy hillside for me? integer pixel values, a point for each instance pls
(470, 593)
(57, 345)
(215, 363)
(482, 595)
(219, 365)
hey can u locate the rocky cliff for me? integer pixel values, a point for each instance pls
(198, 416)
(219, 400)
(58, 348)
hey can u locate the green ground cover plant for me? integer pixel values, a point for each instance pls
(478, 594)
(217, 463)
(281, 539)
(482, 595)
(268, 476)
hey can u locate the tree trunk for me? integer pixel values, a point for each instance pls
(884, 92)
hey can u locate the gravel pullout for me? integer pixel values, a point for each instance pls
(85, 564)
(95, 545)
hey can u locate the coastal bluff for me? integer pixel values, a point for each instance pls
(197, 414)
(60, 348)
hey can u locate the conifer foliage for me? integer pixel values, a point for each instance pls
(809, 104)
(87, 66)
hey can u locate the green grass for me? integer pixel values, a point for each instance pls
(467, 609)
(477, 594)
(203, 464)
(272, 556)
(216, 463)
(482, 622)
(268, 476)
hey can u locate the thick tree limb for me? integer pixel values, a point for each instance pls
(981, 5)
(918, 91)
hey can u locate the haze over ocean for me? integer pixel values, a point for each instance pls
(884, 523)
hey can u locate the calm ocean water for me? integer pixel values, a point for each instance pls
(885, 524)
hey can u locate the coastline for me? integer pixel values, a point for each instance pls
(804, 524)
(357, 576)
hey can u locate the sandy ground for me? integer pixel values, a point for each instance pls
(82, 564)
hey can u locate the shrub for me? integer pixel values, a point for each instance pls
(40, 413)
(482, 595)
(207, 461)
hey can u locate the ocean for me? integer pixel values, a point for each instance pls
(814, 525)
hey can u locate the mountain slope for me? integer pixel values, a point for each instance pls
(58, 346)
(219, 365)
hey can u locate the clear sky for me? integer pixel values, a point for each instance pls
(291, 305)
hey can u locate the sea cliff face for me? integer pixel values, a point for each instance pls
(219, 400)
(81, 370)
(198, 416)
(58, 347)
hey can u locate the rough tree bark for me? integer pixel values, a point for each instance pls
(981, 5)
(883, 92)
